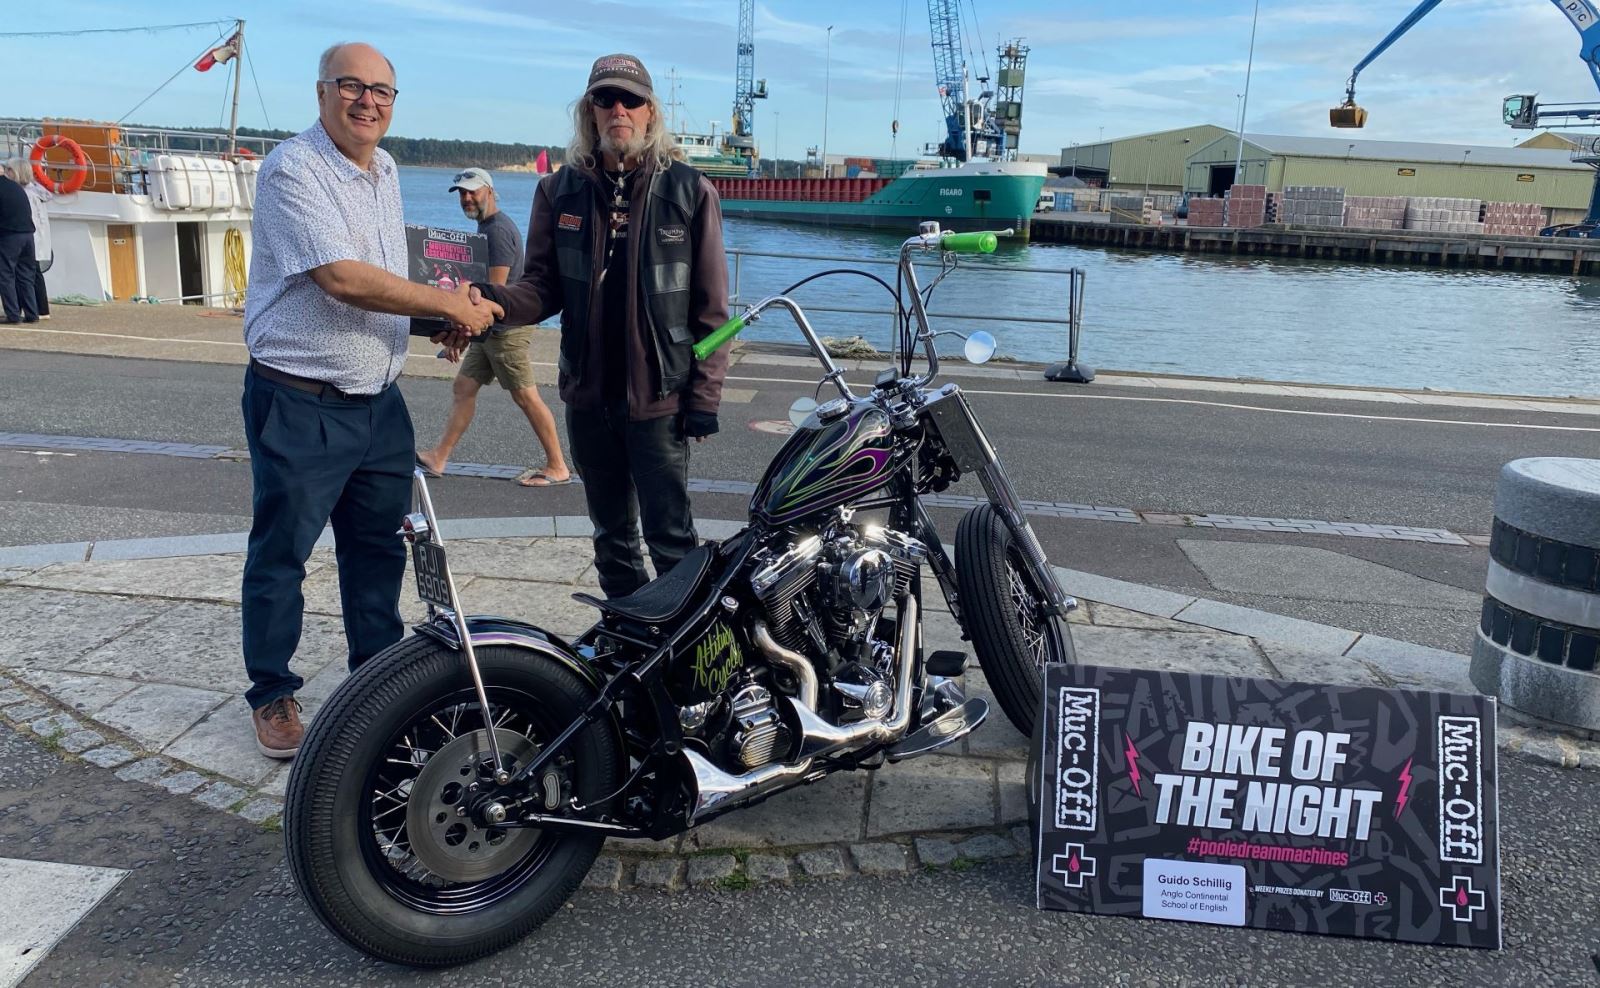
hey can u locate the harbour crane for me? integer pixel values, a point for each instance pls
(1522, 111)
(740, 139)
(971, 129)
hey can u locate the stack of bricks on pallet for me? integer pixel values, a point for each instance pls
(1207, 212)
(1311, 205)
(1512, 219)
(1148, 213)
(1375, 212)
(1437, 214)
(1246, 205)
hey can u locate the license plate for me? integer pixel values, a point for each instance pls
(433, 584)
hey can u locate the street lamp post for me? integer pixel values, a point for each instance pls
(1244, 104)
(827, 89)
(1074, 159)
(774, 143)
(1149, 155)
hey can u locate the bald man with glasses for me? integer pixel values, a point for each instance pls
(326, 323)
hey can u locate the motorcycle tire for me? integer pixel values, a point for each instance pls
(441, 891)
(1001, 611)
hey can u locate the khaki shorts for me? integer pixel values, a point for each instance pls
(501, 357)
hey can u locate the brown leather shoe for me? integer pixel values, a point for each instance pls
(278, 728)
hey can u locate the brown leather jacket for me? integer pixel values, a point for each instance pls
(565, 240)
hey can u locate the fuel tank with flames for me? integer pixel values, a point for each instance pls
(843, 451)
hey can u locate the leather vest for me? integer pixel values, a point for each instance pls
(661, 273)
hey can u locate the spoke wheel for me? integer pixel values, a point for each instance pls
(384, 832)
(1004, 615)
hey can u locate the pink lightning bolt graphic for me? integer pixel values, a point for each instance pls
(1405, 787)
(1133, 764)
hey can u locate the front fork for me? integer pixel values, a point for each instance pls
(964, 440)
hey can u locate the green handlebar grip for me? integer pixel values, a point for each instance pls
(970, 243)
(717, 337)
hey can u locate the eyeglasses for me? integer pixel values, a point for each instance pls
(352, 90)
(605, 99)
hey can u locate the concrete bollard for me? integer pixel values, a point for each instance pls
(1536, 644)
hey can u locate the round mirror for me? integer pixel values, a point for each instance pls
(801, 410)
(979, 348)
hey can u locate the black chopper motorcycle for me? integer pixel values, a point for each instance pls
(454, 791)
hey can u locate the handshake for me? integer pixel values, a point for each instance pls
(470, 315)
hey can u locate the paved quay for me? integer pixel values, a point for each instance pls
(128, 660)
(1280, 529)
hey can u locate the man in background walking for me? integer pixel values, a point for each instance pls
(502, 355)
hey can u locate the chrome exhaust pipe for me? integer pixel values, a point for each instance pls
(714, 787)
(791, 660)
(818, 737)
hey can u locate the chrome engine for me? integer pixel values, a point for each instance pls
(827, 591)
(831, 683)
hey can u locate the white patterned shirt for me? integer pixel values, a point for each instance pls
(314, 206)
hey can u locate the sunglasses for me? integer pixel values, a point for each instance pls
(605, 99)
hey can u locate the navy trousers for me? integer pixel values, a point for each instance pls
(315, 459)
(17, 266)
(632, 471)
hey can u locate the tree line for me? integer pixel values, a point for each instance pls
(424, 151)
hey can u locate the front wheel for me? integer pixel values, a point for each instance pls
(1005, 615)
(374, 837)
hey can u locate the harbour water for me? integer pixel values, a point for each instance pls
(1277, 319)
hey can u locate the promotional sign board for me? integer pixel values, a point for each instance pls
(444, 258)
(1287, 806)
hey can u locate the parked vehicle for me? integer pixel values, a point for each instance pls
(1047, 202)
(453, 792)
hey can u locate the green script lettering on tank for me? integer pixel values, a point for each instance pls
(716, 659)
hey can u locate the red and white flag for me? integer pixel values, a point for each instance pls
(220, 55)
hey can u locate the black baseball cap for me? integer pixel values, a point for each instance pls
(620, 71)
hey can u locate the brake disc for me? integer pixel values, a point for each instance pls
(448, 843)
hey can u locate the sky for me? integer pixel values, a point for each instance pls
(508, 70)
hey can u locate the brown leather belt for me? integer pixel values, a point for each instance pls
(306, 384)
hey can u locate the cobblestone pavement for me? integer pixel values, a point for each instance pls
(132, 665)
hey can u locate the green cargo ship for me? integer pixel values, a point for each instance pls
(977, 195)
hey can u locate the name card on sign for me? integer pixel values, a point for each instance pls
(1252, 802)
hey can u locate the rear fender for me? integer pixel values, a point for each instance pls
(489, 629)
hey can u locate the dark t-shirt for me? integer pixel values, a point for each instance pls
(16, 216)
(505, 244)
(614, 289)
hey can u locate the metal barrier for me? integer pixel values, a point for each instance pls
(1072, 322)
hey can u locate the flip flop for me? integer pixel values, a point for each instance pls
(427, 470)
(530, 474)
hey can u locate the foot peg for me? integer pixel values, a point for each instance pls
(947, 662)
(946, 729)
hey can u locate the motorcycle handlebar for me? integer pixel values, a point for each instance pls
(970, 243)
(722, 334)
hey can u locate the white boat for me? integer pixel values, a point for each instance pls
(156, 215)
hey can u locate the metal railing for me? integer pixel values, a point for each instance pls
(132, 157)
(1072, 296)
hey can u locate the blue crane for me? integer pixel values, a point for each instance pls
(970, 127)
(1522, 111)
(740, 138)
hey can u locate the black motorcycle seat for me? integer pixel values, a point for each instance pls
(663, 599)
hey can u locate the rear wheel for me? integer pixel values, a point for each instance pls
(376, 837)
(1005, 615)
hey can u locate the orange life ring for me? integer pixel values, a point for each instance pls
(80, 162)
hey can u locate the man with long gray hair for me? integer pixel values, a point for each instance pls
(626, 243)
